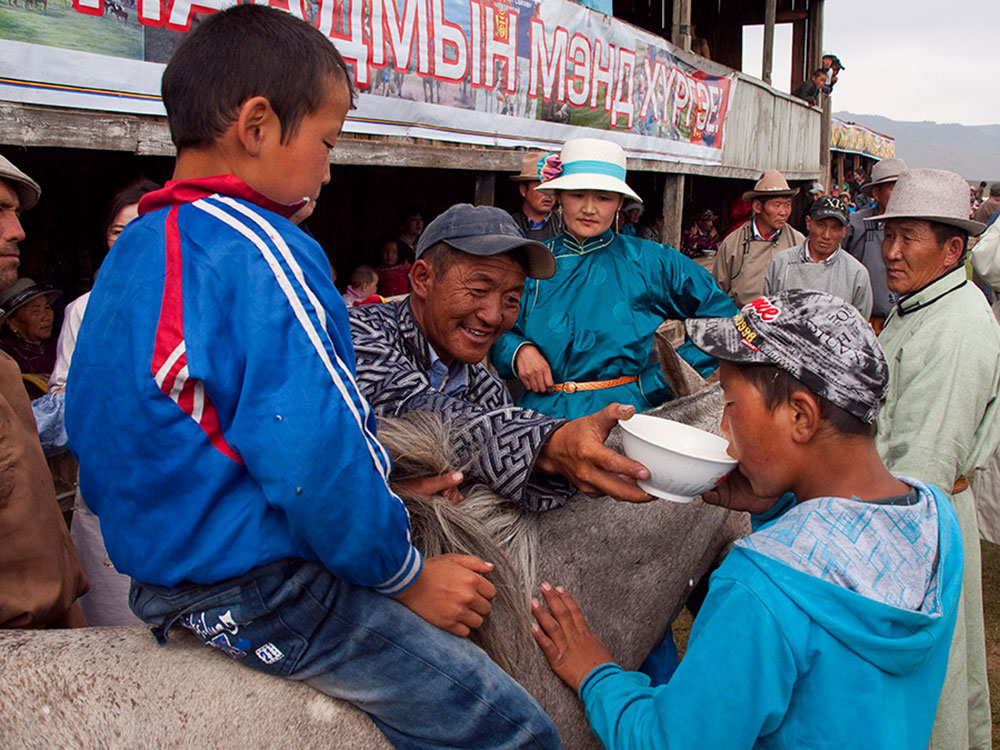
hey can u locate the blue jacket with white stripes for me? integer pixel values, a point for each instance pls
(212, 403)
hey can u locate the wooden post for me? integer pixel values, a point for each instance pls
(680, 32)
(801, 68)
(673, 209)
(770, 11)
(485, 189)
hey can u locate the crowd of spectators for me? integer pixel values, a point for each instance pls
(222, 409)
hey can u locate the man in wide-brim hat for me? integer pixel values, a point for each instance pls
(864, 239)
(537, 218)
(745, 254)
(941, 420)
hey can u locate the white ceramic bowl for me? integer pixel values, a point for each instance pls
(683, 461)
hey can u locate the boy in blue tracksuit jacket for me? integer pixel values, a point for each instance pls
(829, 626)
(222, 439)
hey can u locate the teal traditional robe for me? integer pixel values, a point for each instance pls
(595, 320)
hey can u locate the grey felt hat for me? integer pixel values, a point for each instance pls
(931, 195)
(484, 231)
(28, 191)
(886, 171)
(818, 339)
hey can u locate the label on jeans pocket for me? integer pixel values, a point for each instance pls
(269, 653)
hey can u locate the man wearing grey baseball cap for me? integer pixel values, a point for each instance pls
(426, 353)
(941, 420)
(818, 263)
(829, 625)
(40, 577)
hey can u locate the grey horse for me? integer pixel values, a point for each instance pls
(631, 567)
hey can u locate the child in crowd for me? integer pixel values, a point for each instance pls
(222, 439)
(829, 626)
(393, 276)
(364, 282)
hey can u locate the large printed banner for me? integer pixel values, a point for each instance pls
(857, 139)
(488, 72)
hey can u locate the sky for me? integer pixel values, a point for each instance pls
(908, 60)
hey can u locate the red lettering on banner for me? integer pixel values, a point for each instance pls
(476, 65)
(401, 35)
(764, 308)
(658, 76)
(448, 36)
(579, 55)
(351, 44)
(602, 74)
(179, 12)
(624, 105)
(296, 8)
(92, 7)
(552, 64)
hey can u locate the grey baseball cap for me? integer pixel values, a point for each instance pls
(818, 339)
(26, 188)
(483, 231)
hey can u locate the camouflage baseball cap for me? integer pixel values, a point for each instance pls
(820, 340)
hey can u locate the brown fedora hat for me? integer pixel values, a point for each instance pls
(531, 166)
(772, 184)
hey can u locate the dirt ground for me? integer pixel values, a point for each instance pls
(991, 607)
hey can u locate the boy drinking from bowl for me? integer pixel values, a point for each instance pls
(222, 438)
(829, 626)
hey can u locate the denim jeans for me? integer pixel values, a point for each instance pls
(423, 687)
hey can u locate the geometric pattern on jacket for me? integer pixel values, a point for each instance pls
(500, 441)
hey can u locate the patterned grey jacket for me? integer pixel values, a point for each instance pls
(500, 440)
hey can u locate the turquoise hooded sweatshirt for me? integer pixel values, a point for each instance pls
(828, 627)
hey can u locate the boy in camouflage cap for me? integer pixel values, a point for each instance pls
(829, 625)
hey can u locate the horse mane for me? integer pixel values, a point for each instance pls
(484, 524)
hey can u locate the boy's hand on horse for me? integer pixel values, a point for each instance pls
(561, 631)
(451, 593)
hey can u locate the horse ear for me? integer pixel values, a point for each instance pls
(682, 378)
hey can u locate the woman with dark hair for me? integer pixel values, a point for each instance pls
(107, 601)
(124, 207)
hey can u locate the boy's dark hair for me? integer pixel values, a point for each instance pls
(241, 52)
(777, 387)
(818, 72)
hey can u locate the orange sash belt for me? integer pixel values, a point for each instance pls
(962, 483)
(594, 385)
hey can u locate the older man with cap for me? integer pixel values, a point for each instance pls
(425, 354)
(941, 419)
(536, 217)
(744, 255)
(818, 263)
(40, 577)
(864, 238)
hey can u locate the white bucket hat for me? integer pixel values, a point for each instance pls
(886, 171)
(591, 164)
(931, 195)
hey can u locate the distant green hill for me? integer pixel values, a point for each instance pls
(971, 150)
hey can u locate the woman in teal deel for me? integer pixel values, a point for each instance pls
(584, 338)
